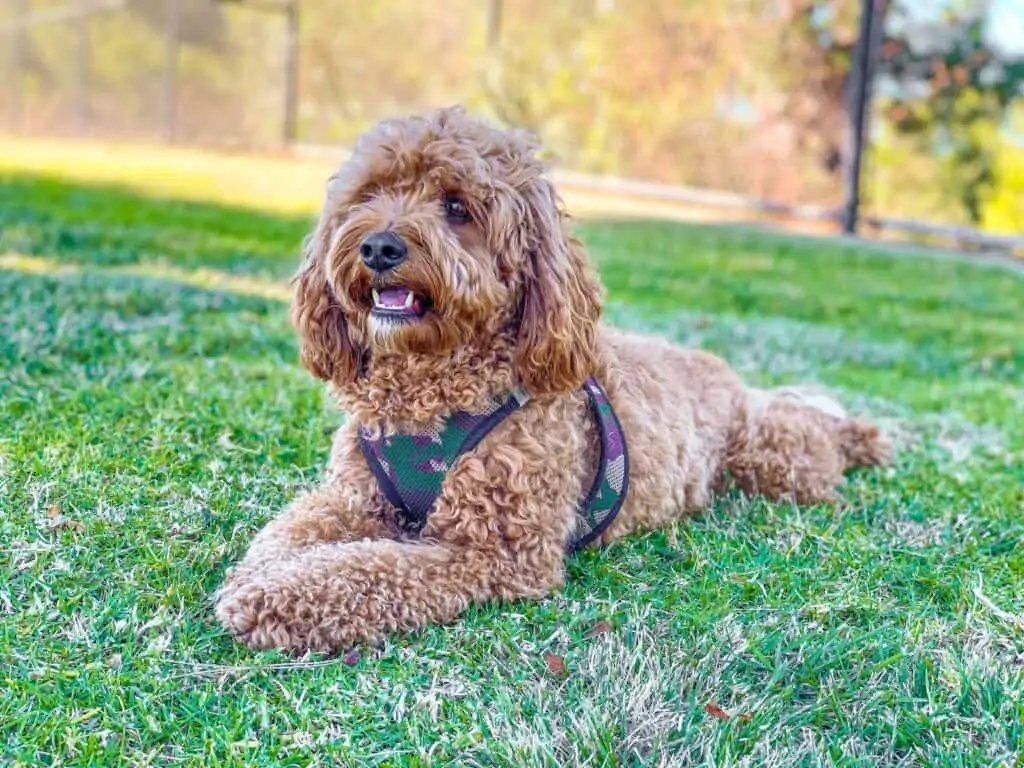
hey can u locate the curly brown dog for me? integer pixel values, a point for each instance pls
(441, 277)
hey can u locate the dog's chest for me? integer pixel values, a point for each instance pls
(411, 466)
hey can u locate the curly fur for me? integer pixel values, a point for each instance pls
(513, 301)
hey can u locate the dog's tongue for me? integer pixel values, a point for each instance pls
(393, 298)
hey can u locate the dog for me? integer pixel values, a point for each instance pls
(443, 292)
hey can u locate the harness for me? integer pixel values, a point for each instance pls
(411, 466)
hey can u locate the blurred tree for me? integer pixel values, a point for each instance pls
(741, 95)
(202, 21)
(1002, 203)
(362, 61)
(951, 90)
(660, 90)
(939, 76)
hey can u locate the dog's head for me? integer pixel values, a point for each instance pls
(440, 231)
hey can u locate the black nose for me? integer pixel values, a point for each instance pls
(382, 251)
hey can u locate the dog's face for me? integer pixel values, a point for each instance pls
(439, 232)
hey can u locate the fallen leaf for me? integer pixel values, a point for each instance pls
(351, 658)
(114, 661)
(555, 664)
(716, 711)
(745, 717)
(599, 629)
(57, 520)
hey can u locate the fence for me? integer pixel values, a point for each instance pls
(760, 106)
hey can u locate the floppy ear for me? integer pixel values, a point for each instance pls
(561, 300)
(326, 348)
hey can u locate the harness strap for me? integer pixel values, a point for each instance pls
(411, 467)
(611, 482)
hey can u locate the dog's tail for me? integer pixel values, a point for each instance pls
(863, 444)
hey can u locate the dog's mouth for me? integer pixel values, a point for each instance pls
(397, 302)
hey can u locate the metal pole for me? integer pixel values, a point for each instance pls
(82, 75)
(493, 34)
(172, 37)
(860, 94)
(291, 72)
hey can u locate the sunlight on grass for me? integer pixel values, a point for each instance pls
(279, 183)
(199, 277)
(273, 183)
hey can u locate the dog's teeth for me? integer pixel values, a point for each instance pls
(376, 297)
(408, 300)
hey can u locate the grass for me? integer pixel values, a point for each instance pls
(153, 416)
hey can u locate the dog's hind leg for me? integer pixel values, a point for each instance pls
(793, 444)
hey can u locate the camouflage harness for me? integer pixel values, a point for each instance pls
(411, 467)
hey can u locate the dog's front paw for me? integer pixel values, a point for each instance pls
(249, 614)
(269, 615)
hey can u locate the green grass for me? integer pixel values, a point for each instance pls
(153, 416)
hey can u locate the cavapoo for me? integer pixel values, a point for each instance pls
(494, 422)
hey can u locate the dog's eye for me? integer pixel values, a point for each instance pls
(456, 210)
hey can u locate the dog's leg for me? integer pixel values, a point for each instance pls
(332, 513)
(796, 446)
(345, 508)
(331, 596)
(496, 532)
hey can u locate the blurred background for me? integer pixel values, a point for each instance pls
(717, 109)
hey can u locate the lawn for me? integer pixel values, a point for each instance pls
(153, 416)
